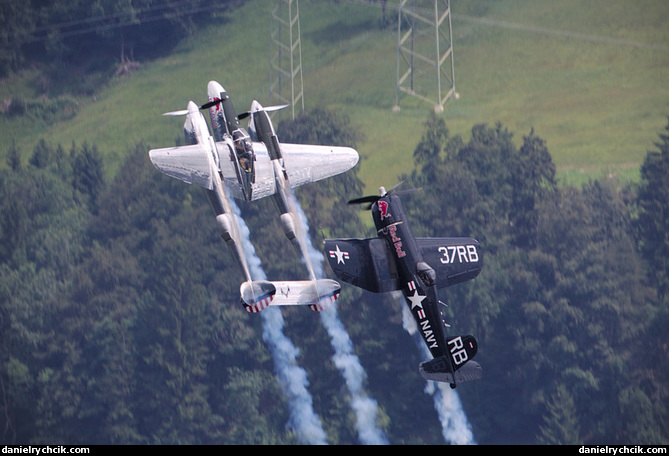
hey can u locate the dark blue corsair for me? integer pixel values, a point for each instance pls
(396, 260)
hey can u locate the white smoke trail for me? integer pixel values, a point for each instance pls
(292, 378)
(345, 359)
(454, 425)
(303, 420)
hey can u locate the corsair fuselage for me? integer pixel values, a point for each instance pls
(420, 290)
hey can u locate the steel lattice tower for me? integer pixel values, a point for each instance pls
(424, 52)
(285, 84)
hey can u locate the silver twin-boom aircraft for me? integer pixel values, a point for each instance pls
(230, 164)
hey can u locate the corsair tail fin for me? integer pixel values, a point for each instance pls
(455, 367)
(439, 371)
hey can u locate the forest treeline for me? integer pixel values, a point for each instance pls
(120, 319)
(570, 309)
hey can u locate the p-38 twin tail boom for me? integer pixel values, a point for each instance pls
(396, 260)
(229, 164)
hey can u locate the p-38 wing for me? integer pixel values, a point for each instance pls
(303, 163)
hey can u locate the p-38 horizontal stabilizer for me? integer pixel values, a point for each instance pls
(317, 294)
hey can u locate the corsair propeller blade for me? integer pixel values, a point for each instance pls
(365, 199)
(409, 190)
(371, 199)
(394, 187)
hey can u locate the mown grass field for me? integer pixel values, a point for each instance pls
(589, 77)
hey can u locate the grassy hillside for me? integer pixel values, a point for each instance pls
(589, 77)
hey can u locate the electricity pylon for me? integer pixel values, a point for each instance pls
(285, 84)
(425, 52)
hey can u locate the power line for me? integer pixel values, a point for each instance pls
(153, 14)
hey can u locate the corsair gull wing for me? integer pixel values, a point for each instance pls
(454, 259)
(364, 263)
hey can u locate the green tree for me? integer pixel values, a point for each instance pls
(42, 230)
(319, 126)
(17, 19)
(653, 213)
(106, 285)
(13, 158)
(642, 423)
(88, 174)
(560, 422)
(325, 201)
(595, 323)
(533, 179)
(42, 154)
(165, 315)
(427, 153)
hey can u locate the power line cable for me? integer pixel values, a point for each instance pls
(153, 14)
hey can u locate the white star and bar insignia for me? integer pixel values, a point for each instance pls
(417, 299)
(341, 256)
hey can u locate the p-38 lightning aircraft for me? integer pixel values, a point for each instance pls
(290, 165)
(233, 165)
(396, 260)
